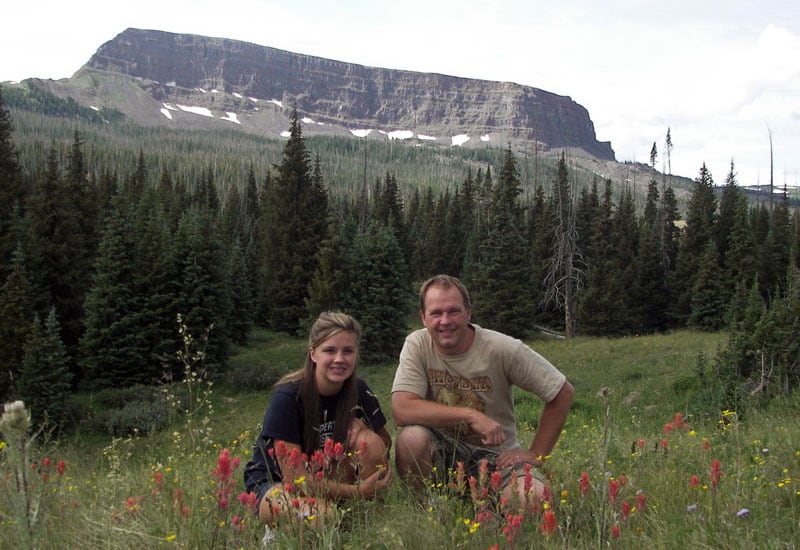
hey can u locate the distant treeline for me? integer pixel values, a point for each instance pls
(99, 259)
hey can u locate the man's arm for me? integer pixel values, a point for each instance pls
(408, 408)
(551, 422)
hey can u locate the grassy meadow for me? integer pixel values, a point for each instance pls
(641, 464)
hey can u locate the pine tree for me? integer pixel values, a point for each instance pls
(156, 281)
(112, 351)
(699, 232)
(379, 295)
(500, 283)
(16, 318)
(45, 380)
(707, 303)
(653, 288)
(294, 227)
(202, 296)
(11, 192)
(775, 251)
(240, 298)
(330, 288)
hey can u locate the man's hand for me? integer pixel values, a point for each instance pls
(491, 432)
(512, 457)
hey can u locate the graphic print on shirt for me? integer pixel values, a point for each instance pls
(325, 428)
(456, 391)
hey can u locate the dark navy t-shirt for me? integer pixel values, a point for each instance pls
(284, 421)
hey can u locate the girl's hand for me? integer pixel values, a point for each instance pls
(376, 483)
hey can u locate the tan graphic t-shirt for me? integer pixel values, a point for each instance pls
(482, 378)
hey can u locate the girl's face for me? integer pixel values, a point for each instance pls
(335, 359)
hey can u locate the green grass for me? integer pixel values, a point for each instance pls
(158, 491)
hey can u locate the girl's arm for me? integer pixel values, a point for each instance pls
(293, 468)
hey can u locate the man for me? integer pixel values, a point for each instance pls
(453, 395)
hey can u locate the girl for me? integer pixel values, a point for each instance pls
(292, 466)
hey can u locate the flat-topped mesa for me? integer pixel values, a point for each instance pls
(350, 95)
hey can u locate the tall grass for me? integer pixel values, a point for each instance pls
(638, 465)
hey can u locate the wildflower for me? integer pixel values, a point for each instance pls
(626, 509)
(338, 450)
(61, 467)
(547, 494)
(15, 417)
(549, 522)
(613, 492)
(743, 513)
(716, 473)
(691, 508)
(706, 444)
(641, 500)
(584, 483)
(664, 444)
(496, 481)
(46, 462)
(132, 505)
(460, 476)
(513, 525)
(615, 532)
(528, 478)
(249, 501)
(694, 482)
(483, 471)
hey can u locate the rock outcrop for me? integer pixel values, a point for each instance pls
(173, 67)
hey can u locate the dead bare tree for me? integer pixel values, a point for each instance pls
(563, 277)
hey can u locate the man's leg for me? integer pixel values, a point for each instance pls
(413, 455)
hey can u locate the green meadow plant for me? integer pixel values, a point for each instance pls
(627, 473)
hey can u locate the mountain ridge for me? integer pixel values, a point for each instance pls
(254, 86)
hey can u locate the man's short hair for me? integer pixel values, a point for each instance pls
(444, 281)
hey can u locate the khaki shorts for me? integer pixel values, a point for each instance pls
(447, 451)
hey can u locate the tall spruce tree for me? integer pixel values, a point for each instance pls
(295, 225)
(16, 318)
(776, 251)
(157, 282)
(330, 288)
(11, 192)
(599, 302)
(379, 295)
(625, 242)
(202, 296)
(707, 299)
(45, 380)
(652, 285)
(699, 232)
(112, 352)
(500, 281)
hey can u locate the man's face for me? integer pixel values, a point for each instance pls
(447, 320)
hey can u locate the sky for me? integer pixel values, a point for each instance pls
(722, 75)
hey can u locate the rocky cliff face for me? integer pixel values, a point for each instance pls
(240, 79)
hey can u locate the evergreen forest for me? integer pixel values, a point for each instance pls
(114, 254)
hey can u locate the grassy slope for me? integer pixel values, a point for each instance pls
(646, 376)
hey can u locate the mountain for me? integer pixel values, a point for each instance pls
(190, 81)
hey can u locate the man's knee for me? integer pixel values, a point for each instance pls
(413, 450)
